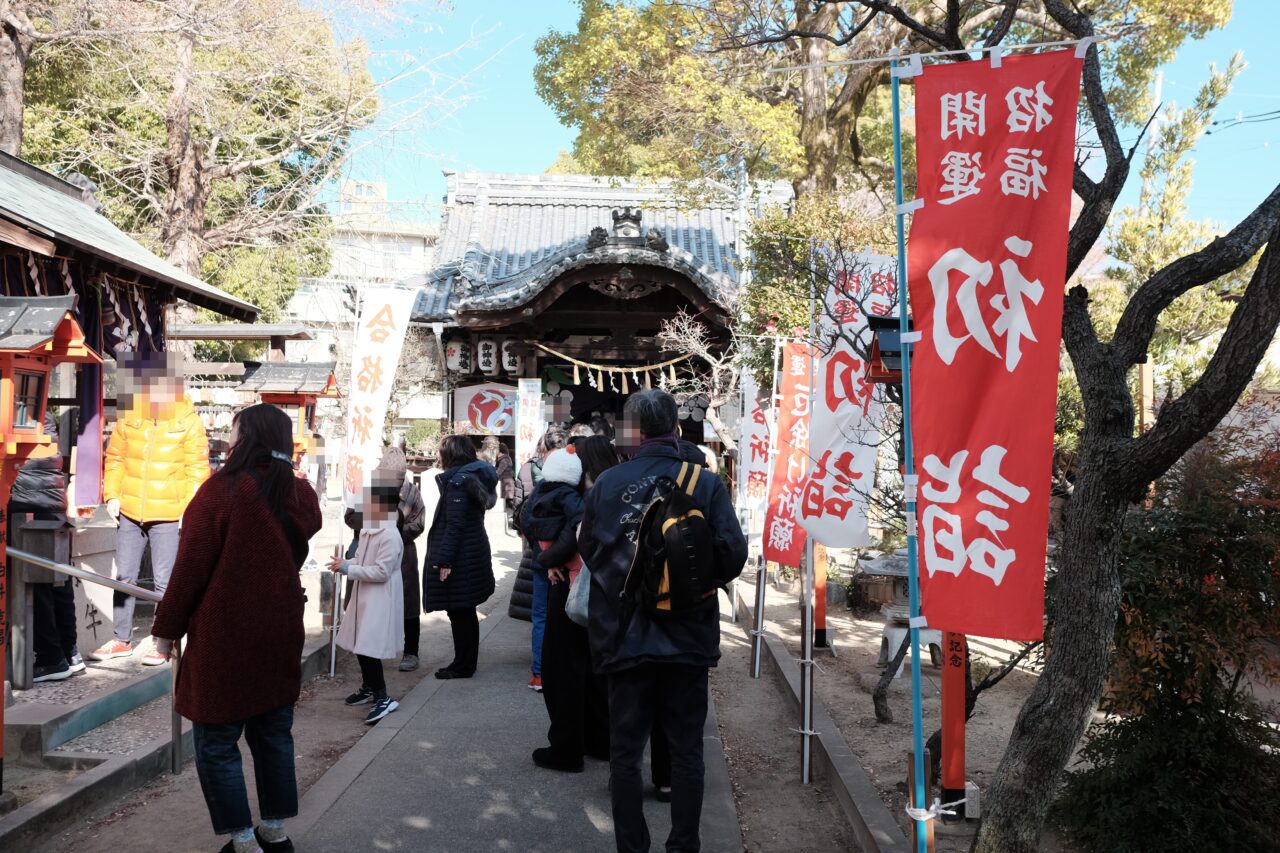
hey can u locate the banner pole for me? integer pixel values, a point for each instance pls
(913, 577)
(807, 575)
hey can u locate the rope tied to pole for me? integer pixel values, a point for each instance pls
(934, 811)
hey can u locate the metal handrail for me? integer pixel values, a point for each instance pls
(175, 754)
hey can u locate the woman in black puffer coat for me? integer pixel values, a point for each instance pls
(460, 574)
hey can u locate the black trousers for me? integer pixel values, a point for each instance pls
(54, 619)
(676, 696)
(372, 676)
(465, 625)
(577, 701)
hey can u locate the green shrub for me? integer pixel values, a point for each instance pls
(1186, 761)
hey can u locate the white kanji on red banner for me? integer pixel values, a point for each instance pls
(844, 434)
(995, 154)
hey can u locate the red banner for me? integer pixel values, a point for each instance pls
(783, 537)
(995, 152)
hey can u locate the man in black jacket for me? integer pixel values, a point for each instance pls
(657, 668)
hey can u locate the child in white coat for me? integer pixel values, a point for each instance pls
(373, 625)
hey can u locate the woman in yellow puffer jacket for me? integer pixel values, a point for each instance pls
(156, 460)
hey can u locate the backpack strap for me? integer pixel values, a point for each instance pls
(688, 477)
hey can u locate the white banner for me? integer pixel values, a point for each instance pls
(844, 430)
(753, 453)
(486, 409)
(530, 421)
(375, 356)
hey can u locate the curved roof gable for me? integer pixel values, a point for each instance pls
(505, 237)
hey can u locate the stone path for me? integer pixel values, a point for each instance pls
(451, 771)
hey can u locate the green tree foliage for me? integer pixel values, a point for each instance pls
(650, 100)
(695, 88)
(218, 162)
(1185, 752)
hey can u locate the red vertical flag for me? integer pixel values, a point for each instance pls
(995, 153)
(783, 536)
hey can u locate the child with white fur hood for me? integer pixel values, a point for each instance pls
(550, 517)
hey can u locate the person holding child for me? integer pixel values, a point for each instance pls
(576, 701)
(373, 627)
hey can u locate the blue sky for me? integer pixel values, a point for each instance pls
(504, 126)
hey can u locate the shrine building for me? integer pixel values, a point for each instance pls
(569, 278)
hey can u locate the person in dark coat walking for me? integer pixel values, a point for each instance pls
(460, 574)
(657, 668)
(236, 595)
(411, 521)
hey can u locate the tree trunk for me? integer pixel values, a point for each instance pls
(185, 201)
(880, 696)
(1060, 706)
(821, 149)
(15, 51)
(726, 440)
(188, 193)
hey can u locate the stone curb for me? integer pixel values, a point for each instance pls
(719, 812)
(870, 819)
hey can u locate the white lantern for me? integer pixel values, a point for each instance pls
(457, 356)
(487, 356)
(510, 357)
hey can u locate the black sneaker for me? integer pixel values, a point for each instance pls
(59, 671)
(363, 696)
(380, 710)
(662, 793)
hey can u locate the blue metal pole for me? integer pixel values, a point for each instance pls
(913, 572)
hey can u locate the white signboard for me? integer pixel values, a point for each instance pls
(530, 420)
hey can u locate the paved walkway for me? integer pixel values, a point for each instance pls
(451, 771)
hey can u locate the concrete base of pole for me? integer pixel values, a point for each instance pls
(8, 801)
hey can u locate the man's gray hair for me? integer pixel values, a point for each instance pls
(655, 411)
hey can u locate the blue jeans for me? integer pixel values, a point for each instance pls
(541, 589)
(218, 764)
(131, 542)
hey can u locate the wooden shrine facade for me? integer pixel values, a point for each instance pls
(540, 274)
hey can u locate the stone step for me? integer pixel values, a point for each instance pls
(110, 758)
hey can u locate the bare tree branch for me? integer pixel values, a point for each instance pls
(1138, 322)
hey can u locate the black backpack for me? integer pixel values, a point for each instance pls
(673, 570)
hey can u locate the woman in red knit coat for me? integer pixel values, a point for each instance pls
(236, 596)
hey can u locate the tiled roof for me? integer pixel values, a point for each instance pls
(281, 377)
(505, 237)
(27, 322)
(49, 206)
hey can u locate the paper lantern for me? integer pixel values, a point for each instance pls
(487, 356)
(510, 357)
(457, 356)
